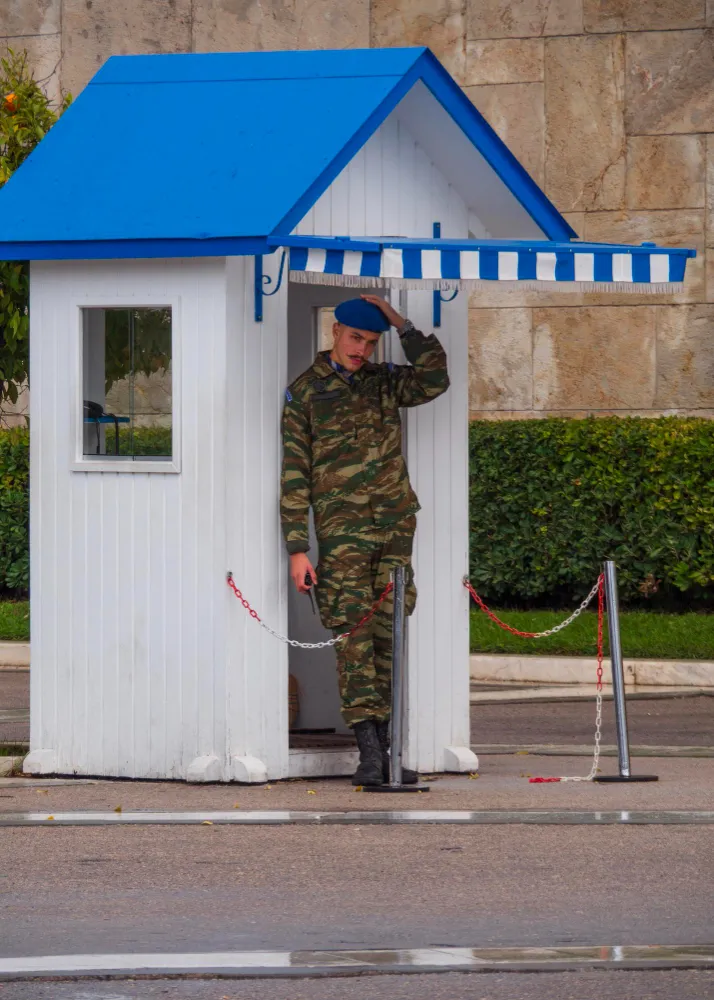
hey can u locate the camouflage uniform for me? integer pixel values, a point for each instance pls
(342, 455)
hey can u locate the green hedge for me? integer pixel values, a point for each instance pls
(14, 511)
(144, 441)
(550, 499)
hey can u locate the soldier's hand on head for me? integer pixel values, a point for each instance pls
(300, 566)
(391, 315)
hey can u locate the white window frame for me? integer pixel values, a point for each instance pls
(79, 462)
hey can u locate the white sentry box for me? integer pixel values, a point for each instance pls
(143, 663)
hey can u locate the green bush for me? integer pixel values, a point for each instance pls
(14, 511)
(550, 499)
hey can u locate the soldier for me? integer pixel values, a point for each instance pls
(342, 454)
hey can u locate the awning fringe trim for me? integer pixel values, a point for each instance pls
(475, 284)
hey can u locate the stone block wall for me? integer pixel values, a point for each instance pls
(608, 103)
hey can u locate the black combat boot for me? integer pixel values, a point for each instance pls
(408, 777)
(369, 771)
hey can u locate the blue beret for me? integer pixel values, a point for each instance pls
(361, 315)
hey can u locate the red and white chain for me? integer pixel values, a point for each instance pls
(599, 589)
(598, 691)
(307, 645)
(532, 635)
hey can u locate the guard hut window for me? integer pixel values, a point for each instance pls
(127, 399)
(325, 323)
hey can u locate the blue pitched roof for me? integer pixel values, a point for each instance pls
(184, 155)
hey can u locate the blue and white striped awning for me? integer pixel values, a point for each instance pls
(447, 264)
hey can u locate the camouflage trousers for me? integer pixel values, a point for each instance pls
(352, 573)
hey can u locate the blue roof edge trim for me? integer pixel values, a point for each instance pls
(139, 249)
(494, 150)
(449, 94)
(372, 245)
(201, 67)
(401, 88)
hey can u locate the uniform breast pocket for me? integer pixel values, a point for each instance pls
(332, 419)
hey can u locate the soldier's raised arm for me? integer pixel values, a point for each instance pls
(427, 376)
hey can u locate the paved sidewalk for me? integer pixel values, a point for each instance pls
(502, 784)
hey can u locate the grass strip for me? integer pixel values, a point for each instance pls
(645, 634)
(14, 621)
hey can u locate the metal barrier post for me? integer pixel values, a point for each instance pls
(395, 759)
(398, 687)
(618, 683)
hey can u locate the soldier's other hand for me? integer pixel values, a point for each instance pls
(300, 566)
(391, 315)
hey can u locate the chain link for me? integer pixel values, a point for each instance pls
(307, 645)
(532, 635)
(598, 689)
(598, 588)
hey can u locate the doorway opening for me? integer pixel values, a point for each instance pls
(320, 743)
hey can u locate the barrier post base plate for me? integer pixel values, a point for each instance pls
(620, 777)
(396, 788)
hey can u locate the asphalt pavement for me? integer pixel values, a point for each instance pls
(216, 888)
(661, 721)
(664, 985)
(666, 721)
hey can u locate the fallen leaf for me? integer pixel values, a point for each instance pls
(310, 792)
(474, 774)
(268, 787)
(207, 822)
(358, 788)
(236, 805)
(50, 817)
(117, 809)
(42, 791)
(522, 753)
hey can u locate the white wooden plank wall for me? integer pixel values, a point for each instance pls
(391, 188)
(128, 649)
(257, 663)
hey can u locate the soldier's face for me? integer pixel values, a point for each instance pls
(352, 347)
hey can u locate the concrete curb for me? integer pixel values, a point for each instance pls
(14, 656)
(367, 817)
(581, 670)
(365, 961)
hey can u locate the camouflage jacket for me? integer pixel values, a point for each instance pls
(342, 443)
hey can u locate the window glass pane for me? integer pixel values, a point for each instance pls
(127, 383)
(325, 322)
